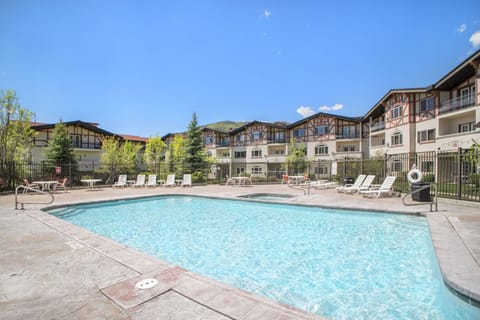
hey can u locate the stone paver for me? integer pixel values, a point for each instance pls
(52, 269)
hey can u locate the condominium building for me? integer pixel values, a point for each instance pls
(441, 116)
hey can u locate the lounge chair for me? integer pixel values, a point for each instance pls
(140, 181)
(152, 181)
(229, 180)
(121, 182)
(366, 184)
(187, 180)
(323, 184)
(385, 189)
(358, 182)
(62, 184)
(170, 181)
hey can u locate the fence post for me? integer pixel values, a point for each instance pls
(459, 170)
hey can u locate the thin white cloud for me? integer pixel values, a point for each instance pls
(475, 39)
(305, 111)
(335, 107)
(267, 13)
(462, 28)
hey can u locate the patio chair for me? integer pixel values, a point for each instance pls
(30, 185)
(140, 181)
(366, 184)
(385, 189)
(358, 182)
(187, 180)
(62, 184)
(229, 180)
(152, 181)
(170, 181)
(285, 178)
(121, 182)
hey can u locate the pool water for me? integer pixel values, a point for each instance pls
(336, 263)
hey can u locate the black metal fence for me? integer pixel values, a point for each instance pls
(456, 173)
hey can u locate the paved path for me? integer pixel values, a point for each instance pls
(51, 269)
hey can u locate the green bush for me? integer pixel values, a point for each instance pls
(474, 179)
(429, 177)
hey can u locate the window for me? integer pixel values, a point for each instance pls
(396, 166)
(225, 154)
(426, 166)
(397, 139)
(208, 140)
(396, 112)
(321, 149)
(279, 137)
(348, 148)
(349, 132)
(321, 130)
(427, 104)
(465, 127)
(256, 170)
(256, 136)
(299, 132)
(426, 135)
(240, 138)
(257, 153)
(240, 171)
(321, 170)
(240, 154)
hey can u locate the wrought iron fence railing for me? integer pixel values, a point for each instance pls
(456, 173)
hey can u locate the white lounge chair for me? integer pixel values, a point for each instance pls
(152, 181)
(229, 180)
(366, 184)
(187, 180)
(385, 189)
(358, 182)
(170, 181)
(140, 181)
(121, 182)
(323, 184)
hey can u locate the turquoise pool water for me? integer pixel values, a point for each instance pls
(336, 263)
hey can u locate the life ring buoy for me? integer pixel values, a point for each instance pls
(414, 176)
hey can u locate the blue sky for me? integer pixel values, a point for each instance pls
(144, 67)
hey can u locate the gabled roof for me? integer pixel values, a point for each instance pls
(87, 125)
(275, 125)
(354, 119)
(376, 110)
(459, 74)
(133, 138)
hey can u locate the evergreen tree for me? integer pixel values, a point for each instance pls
(59, 150)
(195, 157)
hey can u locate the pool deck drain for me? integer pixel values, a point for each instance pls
(53, 269)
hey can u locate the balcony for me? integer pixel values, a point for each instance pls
(87, 146)
(378, 126)
(457, 103)
(223, 144)
(279, 140)
(275, 158)
(348, 136)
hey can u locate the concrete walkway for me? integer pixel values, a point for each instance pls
(51, 269)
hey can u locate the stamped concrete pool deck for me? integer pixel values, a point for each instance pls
(51, 269)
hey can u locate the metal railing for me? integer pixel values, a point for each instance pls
(25, 192)
(457, 103)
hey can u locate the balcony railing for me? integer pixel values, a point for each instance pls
(280, 140)
(378, 126)
(348, 136)
(223, 144)
(87, 145)
(457, 103)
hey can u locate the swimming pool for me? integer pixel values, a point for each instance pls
(336, 263)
